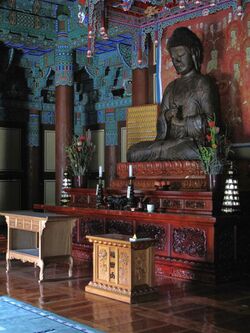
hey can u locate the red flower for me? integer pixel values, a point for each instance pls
(82, 138)
(211, 123)
(209, 137)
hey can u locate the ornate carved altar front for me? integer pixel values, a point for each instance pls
(123, 269)
(194, 241)
(188, 246)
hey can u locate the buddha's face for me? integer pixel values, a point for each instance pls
(182, 59)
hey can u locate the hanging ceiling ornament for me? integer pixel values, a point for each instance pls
(142, 17)
(93, 13)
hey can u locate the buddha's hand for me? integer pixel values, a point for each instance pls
(170, 113)
(178, 119)
(179, 113)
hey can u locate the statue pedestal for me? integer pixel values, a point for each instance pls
(181, 175)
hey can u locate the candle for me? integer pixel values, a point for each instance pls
(88, 135)
(128, 192)
(130, 171)
(161, 203)
(100, 171)
(97, 189)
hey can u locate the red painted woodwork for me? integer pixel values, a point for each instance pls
(187, 186)
(110, 163)
(140, 94)
(170, 201)
(193, 241)
(63, 123)
(188, 246)
(164, 169)
(181, 175)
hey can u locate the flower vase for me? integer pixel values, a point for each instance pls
(80, 181)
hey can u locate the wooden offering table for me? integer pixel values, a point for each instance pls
(123, 269)
(39, 237)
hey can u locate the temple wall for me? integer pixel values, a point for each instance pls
(226, 41)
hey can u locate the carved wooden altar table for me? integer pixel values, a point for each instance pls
(39, 237)
(188, 246)
(194, 240)
(122, 269)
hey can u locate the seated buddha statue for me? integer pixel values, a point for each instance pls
(187, 103)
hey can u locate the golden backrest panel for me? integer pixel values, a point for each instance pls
(141, 123)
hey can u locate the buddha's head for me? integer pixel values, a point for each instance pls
(186, 50)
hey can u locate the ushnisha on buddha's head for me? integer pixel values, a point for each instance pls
(186, 51)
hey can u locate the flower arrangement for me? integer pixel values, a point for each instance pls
(79, 154)
(214, 153)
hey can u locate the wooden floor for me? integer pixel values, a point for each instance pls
(181, 307)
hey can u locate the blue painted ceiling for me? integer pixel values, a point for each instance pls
(31, 25)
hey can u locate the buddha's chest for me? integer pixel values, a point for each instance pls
(183, 92)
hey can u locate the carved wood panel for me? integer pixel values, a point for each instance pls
(119, 227)
(157, 232)
(124, 261)
(190, 241)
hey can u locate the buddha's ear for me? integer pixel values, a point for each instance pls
(196, 55)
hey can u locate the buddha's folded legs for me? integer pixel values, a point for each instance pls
(163, 150)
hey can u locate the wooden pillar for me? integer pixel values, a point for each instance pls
(63, 121)
(33, 185)
(111, 159)
(140, 94)
(64, 100)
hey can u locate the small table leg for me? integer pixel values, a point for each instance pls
(71, 262)
(41, 274)
(8, 264)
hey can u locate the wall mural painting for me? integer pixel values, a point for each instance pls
(226, 42)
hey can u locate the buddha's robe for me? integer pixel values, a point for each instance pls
(186, 105)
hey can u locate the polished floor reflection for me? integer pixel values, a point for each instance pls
(181, 307)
